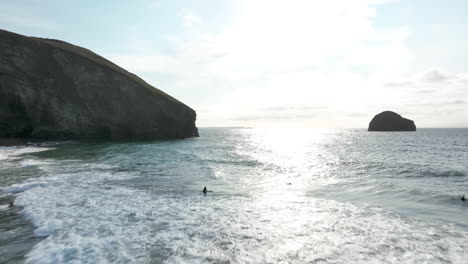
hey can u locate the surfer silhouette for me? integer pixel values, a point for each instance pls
(205, 190)
(463, 198)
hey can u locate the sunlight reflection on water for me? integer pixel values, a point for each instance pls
(279, 195)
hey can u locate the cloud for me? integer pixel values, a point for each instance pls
(457, 102)
(272, 36)
(426, 91)
(290, 108)
(262, 117)
(278, 35)
(430, 79)
(357, 114)
(433, 98)
(434, 76)
(437, 103)
(399, 84)
(190, 18)
(308, 62)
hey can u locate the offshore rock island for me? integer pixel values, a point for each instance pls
(391, 121)
(53, 90)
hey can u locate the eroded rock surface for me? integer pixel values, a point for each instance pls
(51, 89)
(391, 121)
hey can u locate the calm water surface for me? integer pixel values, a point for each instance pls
(278, 196)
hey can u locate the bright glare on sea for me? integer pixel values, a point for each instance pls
(277, 196)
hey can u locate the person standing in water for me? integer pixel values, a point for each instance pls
(205, 190)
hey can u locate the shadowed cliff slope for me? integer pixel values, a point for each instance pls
(51, 89)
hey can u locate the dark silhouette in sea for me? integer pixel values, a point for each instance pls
(391, 121)
(205, 190)
(463, 198)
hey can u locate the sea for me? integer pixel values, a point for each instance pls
(274, 196)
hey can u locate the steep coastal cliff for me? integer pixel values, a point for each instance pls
(53, 90)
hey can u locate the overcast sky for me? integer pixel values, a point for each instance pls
(267, 63)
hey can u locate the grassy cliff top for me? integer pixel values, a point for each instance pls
(89, 55)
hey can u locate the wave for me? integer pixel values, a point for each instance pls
(404, 169)
(124, 225)
(17, 188)
(7, 153)
(431, 173)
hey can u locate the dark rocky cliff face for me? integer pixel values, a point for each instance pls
(391, 121)
(51, 89)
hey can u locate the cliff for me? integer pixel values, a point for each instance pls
(391, 121)
(51, 89)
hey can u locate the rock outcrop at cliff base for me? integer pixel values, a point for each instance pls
(391, 121)
(53, 90)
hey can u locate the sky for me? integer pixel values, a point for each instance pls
(276, 63)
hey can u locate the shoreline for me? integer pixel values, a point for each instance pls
(17, 231)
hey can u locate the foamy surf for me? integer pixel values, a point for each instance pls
(13, 152)
(314, 200)
(17, 188)
(100, 222)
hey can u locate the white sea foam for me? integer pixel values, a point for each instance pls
(144, 210)
(87, 218)
(12, 152)
(17, 188)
